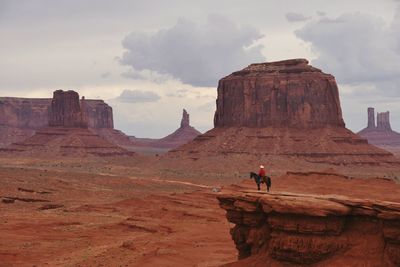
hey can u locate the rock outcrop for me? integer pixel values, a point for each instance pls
(68, 133)
(287, 93)
(323, 230)
(66, 111)
(381, 134)
(279, 112)
(184, 134)
(21, 117)
(185, 122)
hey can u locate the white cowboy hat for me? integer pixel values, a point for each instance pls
(261, 166)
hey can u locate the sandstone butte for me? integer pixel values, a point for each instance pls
(381, 133)
(21, 117)
(67, 133)
(184, 134)
(283, 114)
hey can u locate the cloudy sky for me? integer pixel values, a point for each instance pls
(150, 59)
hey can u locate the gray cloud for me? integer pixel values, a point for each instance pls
(296, 17)
(138, 96)
(357, 49)
(197, 55)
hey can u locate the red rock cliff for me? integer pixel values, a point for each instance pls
(65, 110)
(28, 113)
(287, 93)
(323, 230)
(32, 113)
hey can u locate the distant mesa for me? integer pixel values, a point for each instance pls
(381, 133)
(184, 134)
(284, 113)
(68, 132)
(21, 117)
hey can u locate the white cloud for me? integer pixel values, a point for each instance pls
(363, 53)
(196, 54)
(138, 96)
(296, 17)
(357, 48)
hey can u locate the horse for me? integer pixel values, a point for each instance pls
(261, 180)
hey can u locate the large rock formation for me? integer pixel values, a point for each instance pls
(320, 230)
(287, 93)
(21, 117)
(66, 111)
(68, 134)
(279, 113)
(184, 134)
(381, 134)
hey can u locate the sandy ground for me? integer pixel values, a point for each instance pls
(113, 213)
(75, 219)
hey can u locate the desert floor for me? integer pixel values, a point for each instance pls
(107, 212)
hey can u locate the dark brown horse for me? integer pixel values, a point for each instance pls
(261, 180)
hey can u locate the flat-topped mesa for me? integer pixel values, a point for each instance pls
(185, 122)
(99, 114)
(66, 111)
(383, 121)
(287, 93)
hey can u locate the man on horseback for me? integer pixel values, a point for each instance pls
(264, 178)
(260, 178)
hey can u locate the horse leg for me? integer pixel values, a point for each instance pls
(258, 186)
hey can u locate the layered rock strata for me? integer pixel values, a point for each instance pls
(68, 133)
(66, 110)
(323, 230)
(21, 117)
(275, 112)
(65, 141)
(381, 134)
(287, 93)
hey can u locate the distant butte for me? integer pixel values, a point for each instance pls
(284, 113)
(184, 134)
(67, 133)
(381, 134)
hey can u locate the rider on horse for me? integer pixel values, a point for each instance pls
(264, 178)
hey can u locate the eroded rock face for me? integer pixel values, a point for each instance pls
(383, 121)
(27, 113)
(313, 229)
(381, 134)
(185, 122)
(99, 114)
(21, 117)
(287, 93)
(65, 110)
(33, 113)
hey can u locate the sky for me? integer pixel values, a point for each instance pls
(150, 59)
